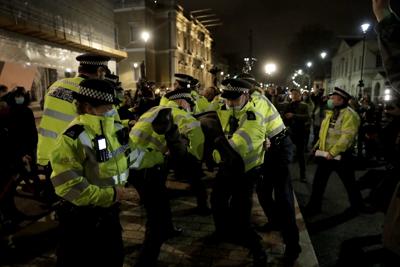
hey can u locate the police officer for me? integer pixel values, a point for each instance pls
(231, 198)
(167, 128)
(90, 167)
(186, 81)
(59, 110)
(276, 181)
(334, 151)
(182, 104)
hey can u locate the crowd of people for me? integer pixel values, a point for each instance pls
(100, 145)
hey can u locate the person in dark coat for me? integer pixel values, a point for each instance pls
(296, 116)
(22, 127)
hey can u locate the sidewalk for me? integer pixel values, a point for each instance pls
(189, 249)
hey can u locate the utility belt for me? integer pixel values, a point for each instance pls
(67, 211)
(277, 139)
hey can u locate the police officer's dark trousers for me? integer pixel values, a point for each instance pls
(159, 220)
(345, 170)
(190, 168)
(89, 236)
(280, 210)
(231, 203)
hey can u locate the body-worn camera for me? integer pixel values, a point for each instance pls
(100, 144)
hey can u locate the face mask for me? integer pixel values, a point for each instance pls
(237, 107)
(330, 104)
(109, 113)
(234, 108)
(19, 100)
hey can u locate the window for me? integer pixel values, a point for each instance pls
(201, 36)
(355, 64)
(133, 31)
(378, 61)
(377, 90)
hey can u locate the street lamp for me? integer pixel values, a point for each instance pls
(323, 54)
(145, 35)
(270, 68)
(364, 28)
(309, 65)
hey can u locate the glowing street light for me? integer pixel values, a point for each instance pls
(145, 35)
(309, 64)
(365, 27)
(270, 68)
(323, 54)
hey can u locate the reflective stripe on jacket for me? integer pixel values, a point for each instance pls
(248, 139)
(77, 175)
(339, 137)
(271, 118)
(58, 113)
(143, 135)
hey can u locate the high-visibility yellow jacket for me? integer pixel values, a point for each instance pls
(248, 139)
(58, 113)
(216, 103)
(142, 133)
(78, 176)
(338, 136)
(270, 116)
(201, 103)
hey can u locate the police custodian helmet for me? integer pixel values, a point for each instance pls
(96, 92)
(234, 88)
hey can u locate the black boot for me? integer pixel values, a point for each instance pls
(292, 252)
(259, 258)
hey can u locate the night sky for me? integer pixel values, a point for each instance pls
(275, 22)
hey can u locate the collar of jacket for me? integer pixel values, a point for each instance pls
(93, 122)
(341, 107)
(173, 104)
(239, 114)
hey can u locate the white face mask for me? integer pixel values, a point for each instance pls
(239, 106)
(19, 100)
(234, 108)
(110, 113)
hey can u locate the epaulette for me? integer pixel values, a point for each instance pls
(74, 131)
(251, 116)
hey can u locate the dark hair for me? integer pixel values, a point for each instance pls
(3, 88)
(91, 69)
(80, 107)
(19, 90)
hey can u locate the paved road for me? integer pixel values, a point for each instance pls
(188, 250)
(328, 230)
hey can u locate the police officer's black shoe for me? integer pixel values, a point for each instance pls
(292, 252)
(174, 232)
(259, 258)
(268, 227)
(311, 210)
(202, 210)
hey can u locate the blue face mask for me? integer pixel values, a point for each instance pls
(330, 104)
(19, 100)
(110, 113)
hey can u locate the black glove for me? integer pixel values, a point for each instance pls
(163, 121)
(232, 162)
(176, 144)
